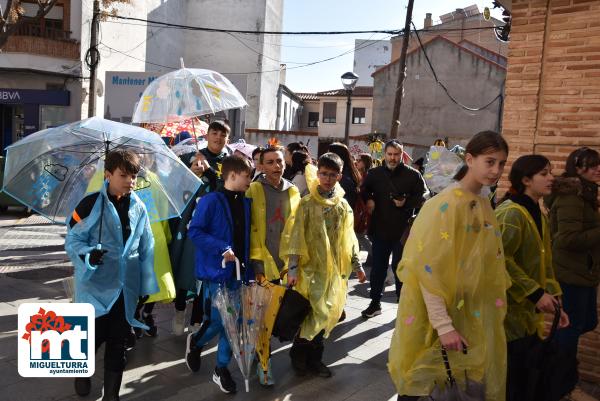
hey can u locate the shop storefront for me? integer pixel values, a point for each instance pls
(25, 111)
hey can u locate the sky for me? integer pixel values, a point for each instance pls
(343, 15)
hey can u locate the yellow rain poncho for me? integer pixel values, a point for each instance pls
(323, 237)
(529, 263)
(258, 230)
(454, 252)
(162, 237)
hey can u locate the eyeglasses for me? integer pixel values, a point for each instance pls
(330, 176)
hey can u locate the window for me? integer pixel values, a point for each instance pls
(329, 110)
(313, 118)
(358, 115)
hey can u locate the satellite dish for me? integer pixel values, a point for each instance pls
(99, 88)
(487, 14)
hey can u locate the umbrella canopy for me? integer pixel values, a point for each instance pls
(190, 145)
(186, 93)
(52, 170)
(194, 126)
(241, 146)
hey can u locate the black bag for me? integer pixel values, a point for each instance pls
(294, 309)
(552, 372)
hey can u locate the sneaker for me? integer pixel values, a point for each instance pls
(83, 386)
(265, 379)
(179, 322)
(223, 378)
(192, 354)
(148, 320)
(374, 309)
(139, 333)
(130, 340)
(321, 370)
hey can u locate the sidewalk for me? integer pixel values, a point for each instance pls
(32, 267)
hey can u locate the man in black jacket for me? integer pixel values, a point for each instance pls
(392, 192)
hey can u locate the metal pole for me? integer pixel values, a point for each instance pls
(93, 59)
(347, 131)
(401, 73)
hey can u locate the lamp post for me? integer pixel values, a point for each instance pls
(349, 80)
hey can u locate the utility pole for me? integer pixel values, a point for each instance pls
(402, 66)
(94, 58)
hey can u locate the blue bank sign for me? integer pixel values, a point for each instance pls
(34, 96)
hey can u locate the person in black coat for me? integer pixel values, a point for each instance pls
(392, 192)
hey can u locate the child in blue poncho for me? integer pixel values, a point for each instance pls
(110, 244)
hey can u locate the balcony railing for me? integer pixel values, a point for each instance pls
(43, 32)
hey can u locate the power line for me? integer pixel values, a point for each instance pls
(198, 28)
(251, 72)
(444, 87)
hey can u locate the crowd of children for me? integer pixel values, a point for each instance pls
(475, 279)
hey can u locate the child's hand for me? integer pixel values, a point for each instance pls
(96, 257)
(291, 281)
(229, 256)
(362, 277)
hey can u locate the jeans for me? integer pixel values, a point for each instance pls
(382, 250)
(580, 304)
(213, 326)
(112, 329)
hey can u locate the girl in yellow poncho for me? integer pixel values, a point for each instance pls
(323, 251)
(455, 281)
(528, 255)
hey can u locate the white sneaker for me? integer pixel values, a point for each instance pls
(179, 322)
(580, 395)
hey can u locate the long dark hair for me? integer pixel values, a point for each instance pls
(299, 161)
(482, 143)
(349, 167)
(524, 167)
(584, 158)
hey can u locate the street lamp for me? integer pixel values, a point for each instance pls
(349, 80)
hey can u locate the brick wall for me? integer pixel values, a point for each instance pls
(553, 96)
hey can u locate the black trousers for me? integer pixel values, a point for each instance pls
(408, 397)
(112, 329)
(516, 372)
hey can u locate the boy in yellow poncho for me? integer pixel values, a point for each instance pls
(323, 252)
(274, 204)
(454, 285)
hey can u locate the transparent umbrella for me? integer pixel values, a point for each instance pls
(186, 93)
(51, 170)
(242, 310)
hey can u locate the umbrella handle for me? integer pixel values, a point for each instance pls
(87, 259)
(237, 268)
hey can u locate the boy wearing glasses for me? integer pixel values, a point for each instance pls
(323, 252)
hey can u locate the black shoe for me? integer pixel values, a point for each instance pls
(223, 378)
(374, 309)
(139, 333)
(148, 320)
(83, 386)
(342, 317)
(320, 370)
(192, 354)
(130, 339)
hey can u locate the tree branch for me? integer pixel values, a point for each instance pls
(43, 10)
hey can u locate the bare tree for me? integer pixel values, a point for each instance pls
(11, 18)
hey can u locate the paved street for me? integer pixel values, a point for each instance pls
(33, 266)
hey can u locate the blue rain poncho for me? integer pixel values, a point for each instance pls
(127, 268)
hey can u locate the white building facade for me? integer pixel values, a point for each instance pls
(43, 71)
(369, 55)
